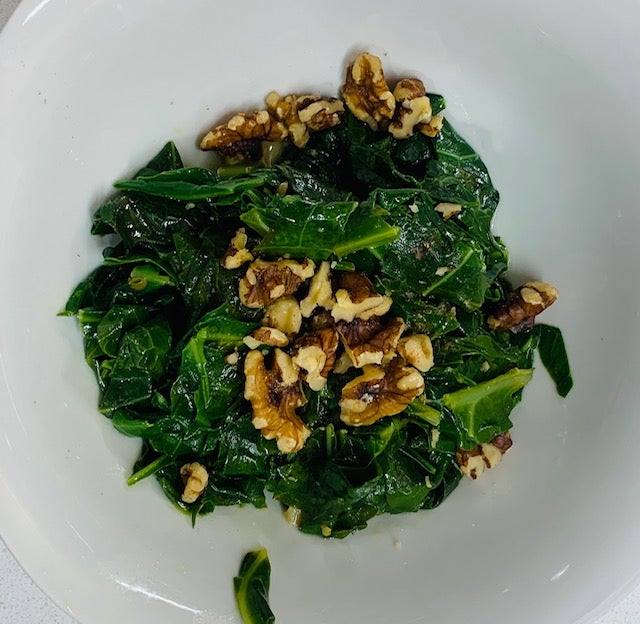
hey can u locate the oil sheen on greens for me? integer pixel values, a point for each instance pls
(159, 315)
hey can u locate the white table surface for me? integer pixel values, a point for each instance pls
(22, 601)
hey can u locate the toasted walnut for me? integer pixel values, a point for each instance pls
(432, 128)
(315, 353)
(356, 298)
(413, 107)
(473, 462)
(366, 92)
(448, 210)
(195, 478)
(241, 135)
(275, 394)
(343, 364)
(319, 113)
(303, 113)
(320, 292)
(237, 254)
(379, 392)
(369, 341)
(283, 314)
(524, 304)
(417, 350)
(265, 281)
(266, 336)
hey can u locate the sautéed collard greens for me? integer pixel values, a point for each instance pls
(324, 316)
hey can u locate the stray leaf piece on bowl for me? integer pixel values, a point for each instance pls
(251, 588)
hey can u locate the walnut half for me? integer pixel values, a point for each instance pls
(413, 107)
(240, 137)
(366, 92)
(265, 281)
(195, 478)
(275, 394)
(524, 304)
(379, 392)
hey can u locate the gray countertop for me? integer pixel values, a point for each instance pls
(22, 602)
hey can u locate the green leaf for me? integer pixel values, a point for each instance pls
(301, 228)
(482, 411)
(432, 256)
(553, 355)
(115, 322)
(190, 184)
(251, 588)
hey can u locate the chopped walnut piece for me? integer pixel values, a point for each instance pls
(413, 107)
(448, 210)
(474, 461)
(237, 254)
(356, 298)
(303, 113)
(240, 136)
(195, 478)
(369, 341)
(283, 314)
(432, 128)
(319, 113)
(343, 364)
(416, 349)
(315, 353)
(265, 281)
(266, 336)
(366, 92)
(379, 392)
(275, 394)
(320, 291)
(285, 109)
(524, 304)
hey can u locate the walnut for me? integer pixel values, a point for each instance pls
(356, 298)
(285, 108)
(417, 350)
(432, 128)
(237, 254)
(366, 92)
(413, 107)
(303, 113)
(320, 292)
(473, 462)
(343, 364)
(524, 304)
(266, 336)
(195, 478)
(242, 133)
(448, 210)
(369, 341)
(319, 113)
(315, 353)
(378, 392)
(265, 281)
(275, 394)
(283, 314)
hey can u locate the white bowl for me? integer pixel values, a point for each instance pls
(547, 92)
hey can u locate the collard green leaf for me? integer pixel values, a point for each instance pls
(251, 588)
(482, 411)
(117, 320)
(300, 228)
(191, 184)
(432, 256)
(553, 355)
